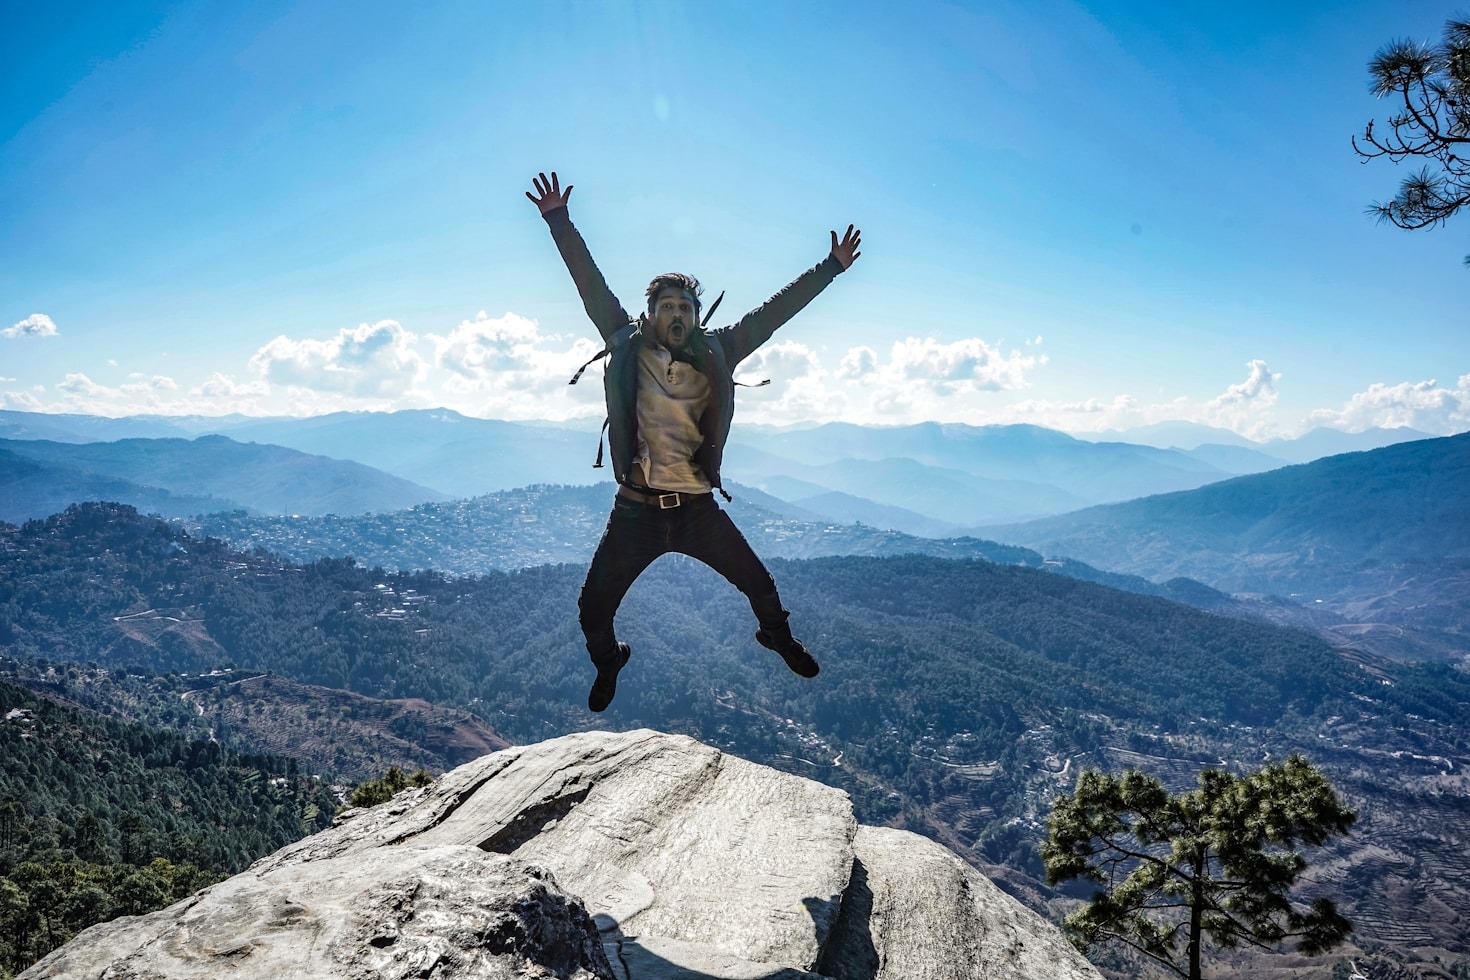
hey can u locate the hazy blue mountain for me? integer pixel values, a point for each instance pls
(1238, 460)
(89, 428)
(1026, 468)
(207, 473)
(31, 489)
(948, 495)
(99, 428)
(454, 454)
(949, 475)
(1380, 536)
(459, 455)
(1331, 442)
(1021, 452)
(1176, 435)
(1312, 445)
(791, 488)
(844, 508)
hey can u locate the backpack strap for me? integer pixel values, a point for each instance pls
(595, 357)
(597, 465)
(712, 307)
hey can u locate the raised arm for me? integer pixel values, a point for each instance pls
(602, 307)
(756, 327)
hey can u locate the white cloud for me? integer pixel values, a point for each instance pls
(505, 367)
(920, 379)
(222, 387)
(1083, 415)
(377, 361)
(1242, 407)
(510, 367)
(79, 393)
(1259, 388)
(35, 325)
(858, 363)
(156, 383)
(787, 360)
(963, 366)
(78, 385)
(510, 348)
(1421, 405)
(1247, 408)
(484, 346)
(801, 388)
(21, 401)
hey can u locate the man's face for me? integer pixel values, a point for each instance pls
(674, 317)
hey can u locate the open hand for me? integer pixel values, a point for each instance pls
(553, 197)
(845, 251)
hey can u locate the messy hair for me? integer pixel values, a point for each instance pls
(679, 281)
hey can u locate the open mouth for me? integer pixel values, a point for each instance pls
(677, 331)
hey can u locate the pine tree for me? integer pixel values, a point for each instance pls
(1217, 862)
(1430, 89)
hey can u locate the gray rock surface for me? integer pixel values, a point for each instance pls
(445, 912)
(913, 904)
(688, 862)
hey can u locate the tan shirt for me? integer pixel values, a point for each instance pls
(672, 395)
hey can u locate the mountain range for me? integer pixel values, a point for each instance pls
(178, 477)
(1380, 537)
(530, 526)
(1314, 444)
(1369, 547)
(930, 479)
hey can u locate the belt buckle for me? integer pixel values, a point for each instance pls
(664, 501)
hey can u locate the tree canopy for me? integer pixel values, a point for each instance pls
(1215, 862)
(1430, 86)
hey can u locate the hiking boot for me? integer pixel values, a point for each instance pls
(606, 684)
(790, 649)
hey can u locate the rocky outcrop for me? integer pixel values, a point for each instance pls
(632, 856)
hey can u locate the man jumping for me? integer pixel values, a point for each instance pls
(670, 399)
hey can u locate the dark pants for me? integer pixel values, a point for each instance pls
(638, 533)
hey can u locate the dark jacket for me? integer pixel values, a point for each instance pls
(727, 347)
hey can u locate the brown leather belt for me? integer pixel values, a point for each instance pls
(659, 499)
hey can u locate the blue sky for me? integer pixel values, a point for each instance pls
(1090, 216)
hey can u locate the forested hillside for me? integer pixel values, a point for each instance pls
(100, 817)
(1385, 505)
(1378, 537)
(541, 525)
(101, 583)
(192, 476)
(31, 488)
(330, 732)
(956, 697)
